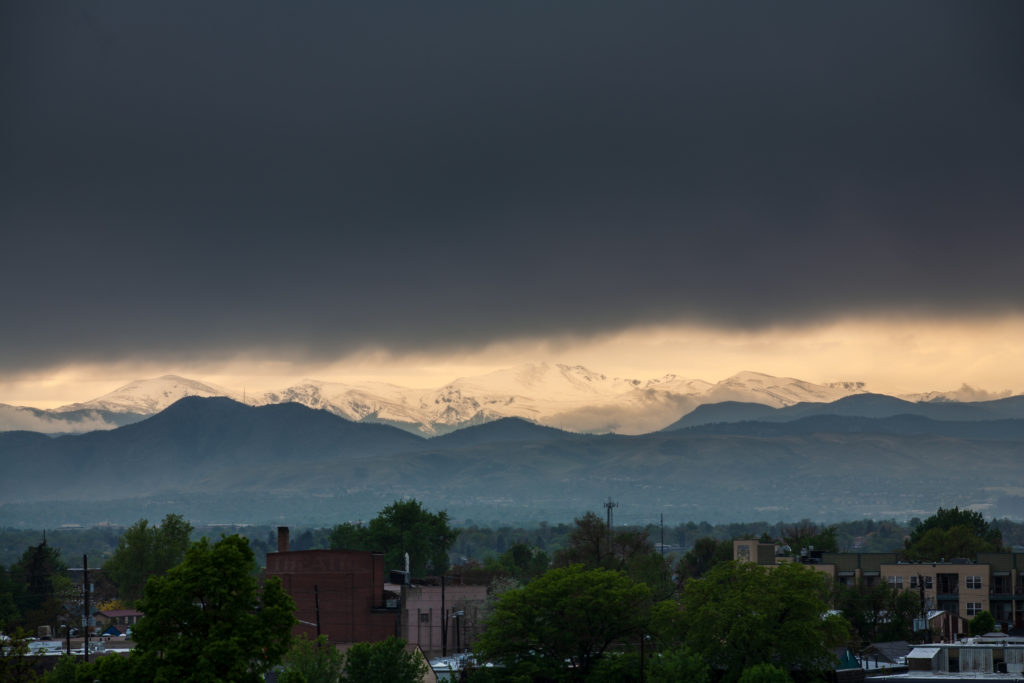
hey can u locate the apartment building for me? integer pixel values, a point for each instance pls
(993, 583)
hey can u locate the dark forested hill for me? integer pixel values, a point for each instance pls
(858, 405)
(266, 463)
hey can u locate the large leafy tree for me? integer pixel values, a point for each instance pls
(209, 620)
(678, 664)
(523, 562)
(383, 662)
(951, 533)
(765, 673)
(740, 614)
(982, 623)
(17, 663)
(144, 551)
(312, 661)
(559, 625)
(880, 612)
(592, 545)
(400, 528)
(705, 554)
(807, 534)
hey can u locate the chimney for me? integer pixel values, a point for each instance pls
(282, 539)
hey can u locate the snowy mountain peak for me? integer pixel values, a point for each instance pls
(758, 387)
(148, 396)
(566, 396)
(966, 393)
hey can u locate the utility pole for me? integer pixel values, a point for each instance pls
(662, 534)
(609, 505)
(316, 603)
(85, 603)
(924, 609)
(444, 623)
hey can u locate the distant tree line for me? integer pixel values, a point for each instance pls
(479, 543)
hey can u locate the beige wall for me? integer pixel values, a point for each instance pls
(422, 616)
(978, 596)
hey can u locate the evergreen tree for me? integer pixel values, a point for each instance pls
(40, 586)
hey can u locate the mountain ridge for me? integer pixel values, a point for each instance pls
(212, 450)
(563, 396)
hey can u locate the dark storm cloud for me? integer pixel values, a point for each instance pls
(198, 177)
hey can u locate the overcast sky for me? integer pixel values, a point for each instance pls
(357, 187)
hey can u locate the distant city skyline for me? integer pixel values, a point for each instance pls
(252, 193)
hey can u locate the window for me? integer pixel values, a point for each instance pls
(424, 617)
(974, 582)
(895, 581)
(926, 580)
(973, 608)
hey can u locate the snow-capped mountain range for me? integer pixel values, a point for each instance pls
(569, 397)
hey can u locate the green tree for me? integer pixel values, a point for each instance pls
(952, 533)
(678, 664)
(616, 667)
(144, 551)
(312, 661)
(705, 554)
(523, 562)
(116, 669)
(65, 671)
(42, 586)
(983, 622)
(349, 536)
(10, 591)
(628, 550)
(560, 624)
(400, 528)
(807, 534)
(879, 612)
(16, 662)
(740, 614)
(209, 620)
(958, 541)
(765, 673)
(383, 662)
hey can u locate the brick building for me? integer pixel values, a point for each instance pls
(348, 586)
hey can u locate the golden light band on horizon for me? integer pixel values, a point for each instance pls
(894, 356)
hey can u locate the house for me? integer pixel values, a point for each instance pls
(121, 619)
